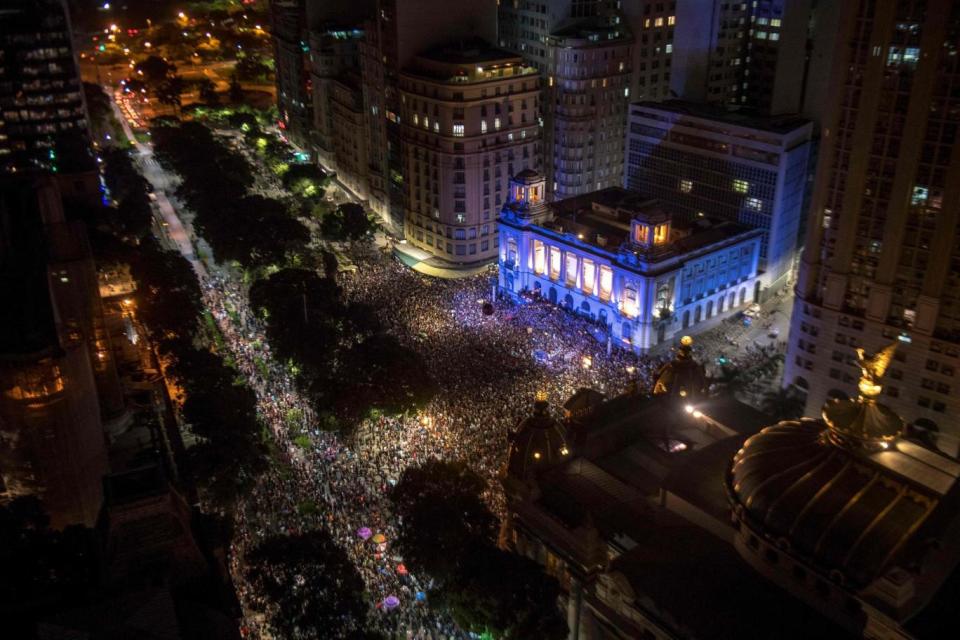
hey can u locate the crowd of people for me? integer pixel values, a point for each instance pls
(488, 367)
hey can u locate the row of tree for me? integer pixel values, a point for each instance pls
(252, 230)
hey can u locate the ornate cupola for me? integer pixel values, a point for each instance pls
(683, 377)
(526, 198)
(864, 422)
(650, 230)
(539, 441)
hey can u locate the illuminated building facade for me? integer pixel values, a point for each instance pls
(43, 119)
(624, 262)
(57, 374)
(469, 122)
(738, 167)
(396, 33)
(881, 257)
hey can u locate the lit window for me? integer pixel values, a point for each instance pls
(671, 20)
(774, 35)
(775, 22)
(589, 276)
(496, 123)
(741, 186)
(436, 126)
(483, 126)
(658, 22)
(646, 23)
(919, 195)
(426, 122)
(686, 186)
(416, 119)
(668, 48)
(761, 35)
(458, 129)
(461, 218)
(754, 203)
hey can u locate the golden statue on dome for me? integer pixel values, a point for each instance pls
(872, 369)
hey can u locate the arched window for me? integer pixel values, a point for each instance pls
(697, 314)
(709, 309)
(686, 318)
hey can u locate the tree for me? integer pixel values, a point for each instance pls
(236, 90)
(155, 70)
(208, 92)
(169, 91)
(348, 222)
(309, 587)
(443, 517)
(133, 215)
(505, 594)
(782, 404)
(252, 69)
(379, 373)
(167, 291)
(305, 180)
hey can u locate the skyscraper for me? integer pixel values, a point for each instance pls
(882, 258)
(584, 53)
(53, 354)
(398, 31)
(288, 27)
(469, 123)
(43, 120)
(707, 161)
(750, 54)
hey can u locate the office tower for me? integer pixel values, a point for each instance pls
(53, 354)
(743, 54)
(469, 122)
(583, 52)
(288, 28)
(881, 260)
(398, 31)
(653, 25)
(335, 79)
(707, 161)
(43, 120)
(584, 106)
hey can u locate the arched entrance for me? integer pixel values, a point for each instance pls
(743, 295)
(756, 291)
(697, 314)
(568, 302)
(686, 318)
(720, 304)
(552, 296)
(709, 309)
(602, 317)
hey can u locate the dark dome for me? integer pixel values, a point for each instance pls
(528, 176)
(683, 376)
(538, 442)
(842, 507)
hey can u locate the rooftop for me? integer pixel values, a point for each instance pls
(468, 62)
(602, 220)
(741, 118)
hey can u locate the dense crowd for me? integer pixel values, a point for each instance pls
(488, 368)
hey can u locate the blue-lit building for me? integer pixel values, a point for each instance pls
(624, 262)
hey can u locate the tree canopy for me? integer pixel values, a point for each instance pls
(348, 222)
(310, 587)
(446, 533)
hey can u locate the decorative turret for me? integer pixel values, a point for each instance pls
(525, 200)
(649, 231)
(682, 377)
(863, 421)
(539, 441)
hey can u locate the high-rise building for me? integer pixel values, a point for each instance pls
(335, 62)
(708, 161)
(882, 260)
(583, 52)
(469, 122)
(54, 358)
(397, 32)
(584, 107)
(43, 120)
(291, 49)
(752, 54)
(653, 24)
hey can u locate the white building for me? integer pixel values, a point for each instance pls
(623, 261)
